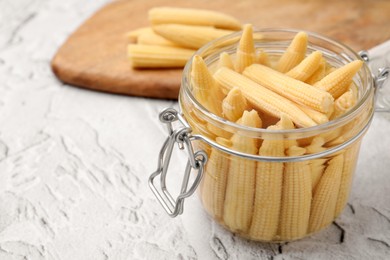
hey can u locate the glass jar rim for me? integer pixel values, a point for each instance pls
(364, 72)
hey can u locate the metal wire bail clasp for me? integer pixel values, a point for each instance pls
(196, 161)
(382, 87)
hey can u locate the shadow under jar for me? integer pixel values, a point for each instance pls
(266, 197)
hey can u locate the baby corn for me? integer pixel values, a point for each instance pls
(225, 61)
(317, 167)
(241, 178)
(350, 158)
(294, 54)
(338, 81)
(261, 97)
(246, 49)
(214, 181)
(317, 117)
(189, 36)
(268, 194)
(153, 56)
(205, 89)
(164, 15)
(234, 105)
(133, 35)
(262, 58)
(319, 74)
(151, 38)
(325, 195)
(307, 67)
(296, 197)
(290, 88)
(345, 102)
(316, 145)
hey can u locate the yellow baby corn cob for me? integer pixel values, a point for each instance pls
(337, 82)
(319, 74)
(246, 49)
(205, 89)
(317, 117)
(164, 15)
(234, 105)
(214, 181)
(339, 140)
(329, 69)
(295, 90)
(241, 178)
(189, 36)
(218, 131)
(262, 58)
(316, 145)
(153, 56)
(325, 195)
(294, 54)
(225, 61)
(286, 123)
(345, 102)
(307, 67)
(268, 193)
(261, 97)
(133, 35)
(151, 38)
(350, 159)
(317, 167)
(296, 197)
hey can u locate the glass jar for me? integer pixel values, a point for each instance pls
(267, 197)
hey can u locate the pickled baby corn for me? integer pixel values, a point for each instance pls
(296, 197)
(294, 54)
(262, 58)
(205, 88)
(319, 74)
(325, 195)
(154, 56)
(189, 36)
(246, 53)
(268, 194)
(316, 145)
(190, 16)
(290, 88)
(317, 167)
(286, 123)
(233, 105)
(346, 177)
(338, 81)
(240, 187)
(317, 117)
(345, 102)
(218, 131)
(307, 67)
(225, 61)
(215, 179)
(261, 97)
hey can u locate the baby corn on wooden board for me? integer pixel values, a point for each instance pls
(95, 56)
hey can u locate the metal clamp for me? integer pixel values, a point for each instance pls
(382, 92)
(196, 161)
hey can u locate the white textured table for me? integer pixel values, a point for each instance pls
(74, 166)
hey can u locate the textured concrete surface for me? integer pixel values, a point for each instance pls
(74, 166)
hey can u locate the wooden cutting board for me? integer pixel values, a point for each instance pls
(94, 56)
